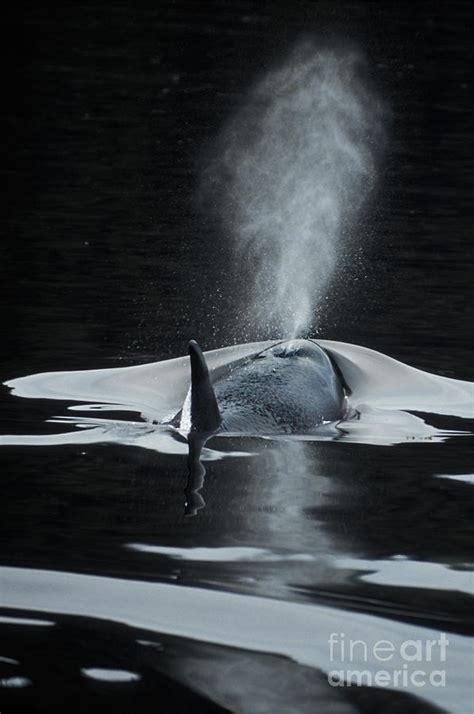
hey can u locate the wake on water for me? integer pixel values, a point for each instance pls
(384, 393)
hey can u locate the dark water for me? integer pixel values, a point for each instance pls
(107, 260)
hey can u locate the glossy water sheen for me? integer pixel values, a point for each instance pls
(111, 597)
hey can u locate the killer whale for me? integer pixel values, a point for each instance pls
(291, 387)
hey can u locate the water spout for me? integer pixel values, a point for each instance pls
(288, 175)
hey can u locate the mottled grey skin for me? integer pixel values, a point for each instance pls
(291, 388)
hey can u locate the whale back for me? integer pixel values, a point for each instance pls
(289, 387)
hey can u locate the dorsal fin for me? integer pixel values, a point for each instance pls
(205, 416)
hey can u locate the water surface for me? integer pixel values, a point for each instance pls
(111, 596)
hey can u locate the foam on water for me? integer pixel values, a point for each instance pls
(288, 176)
